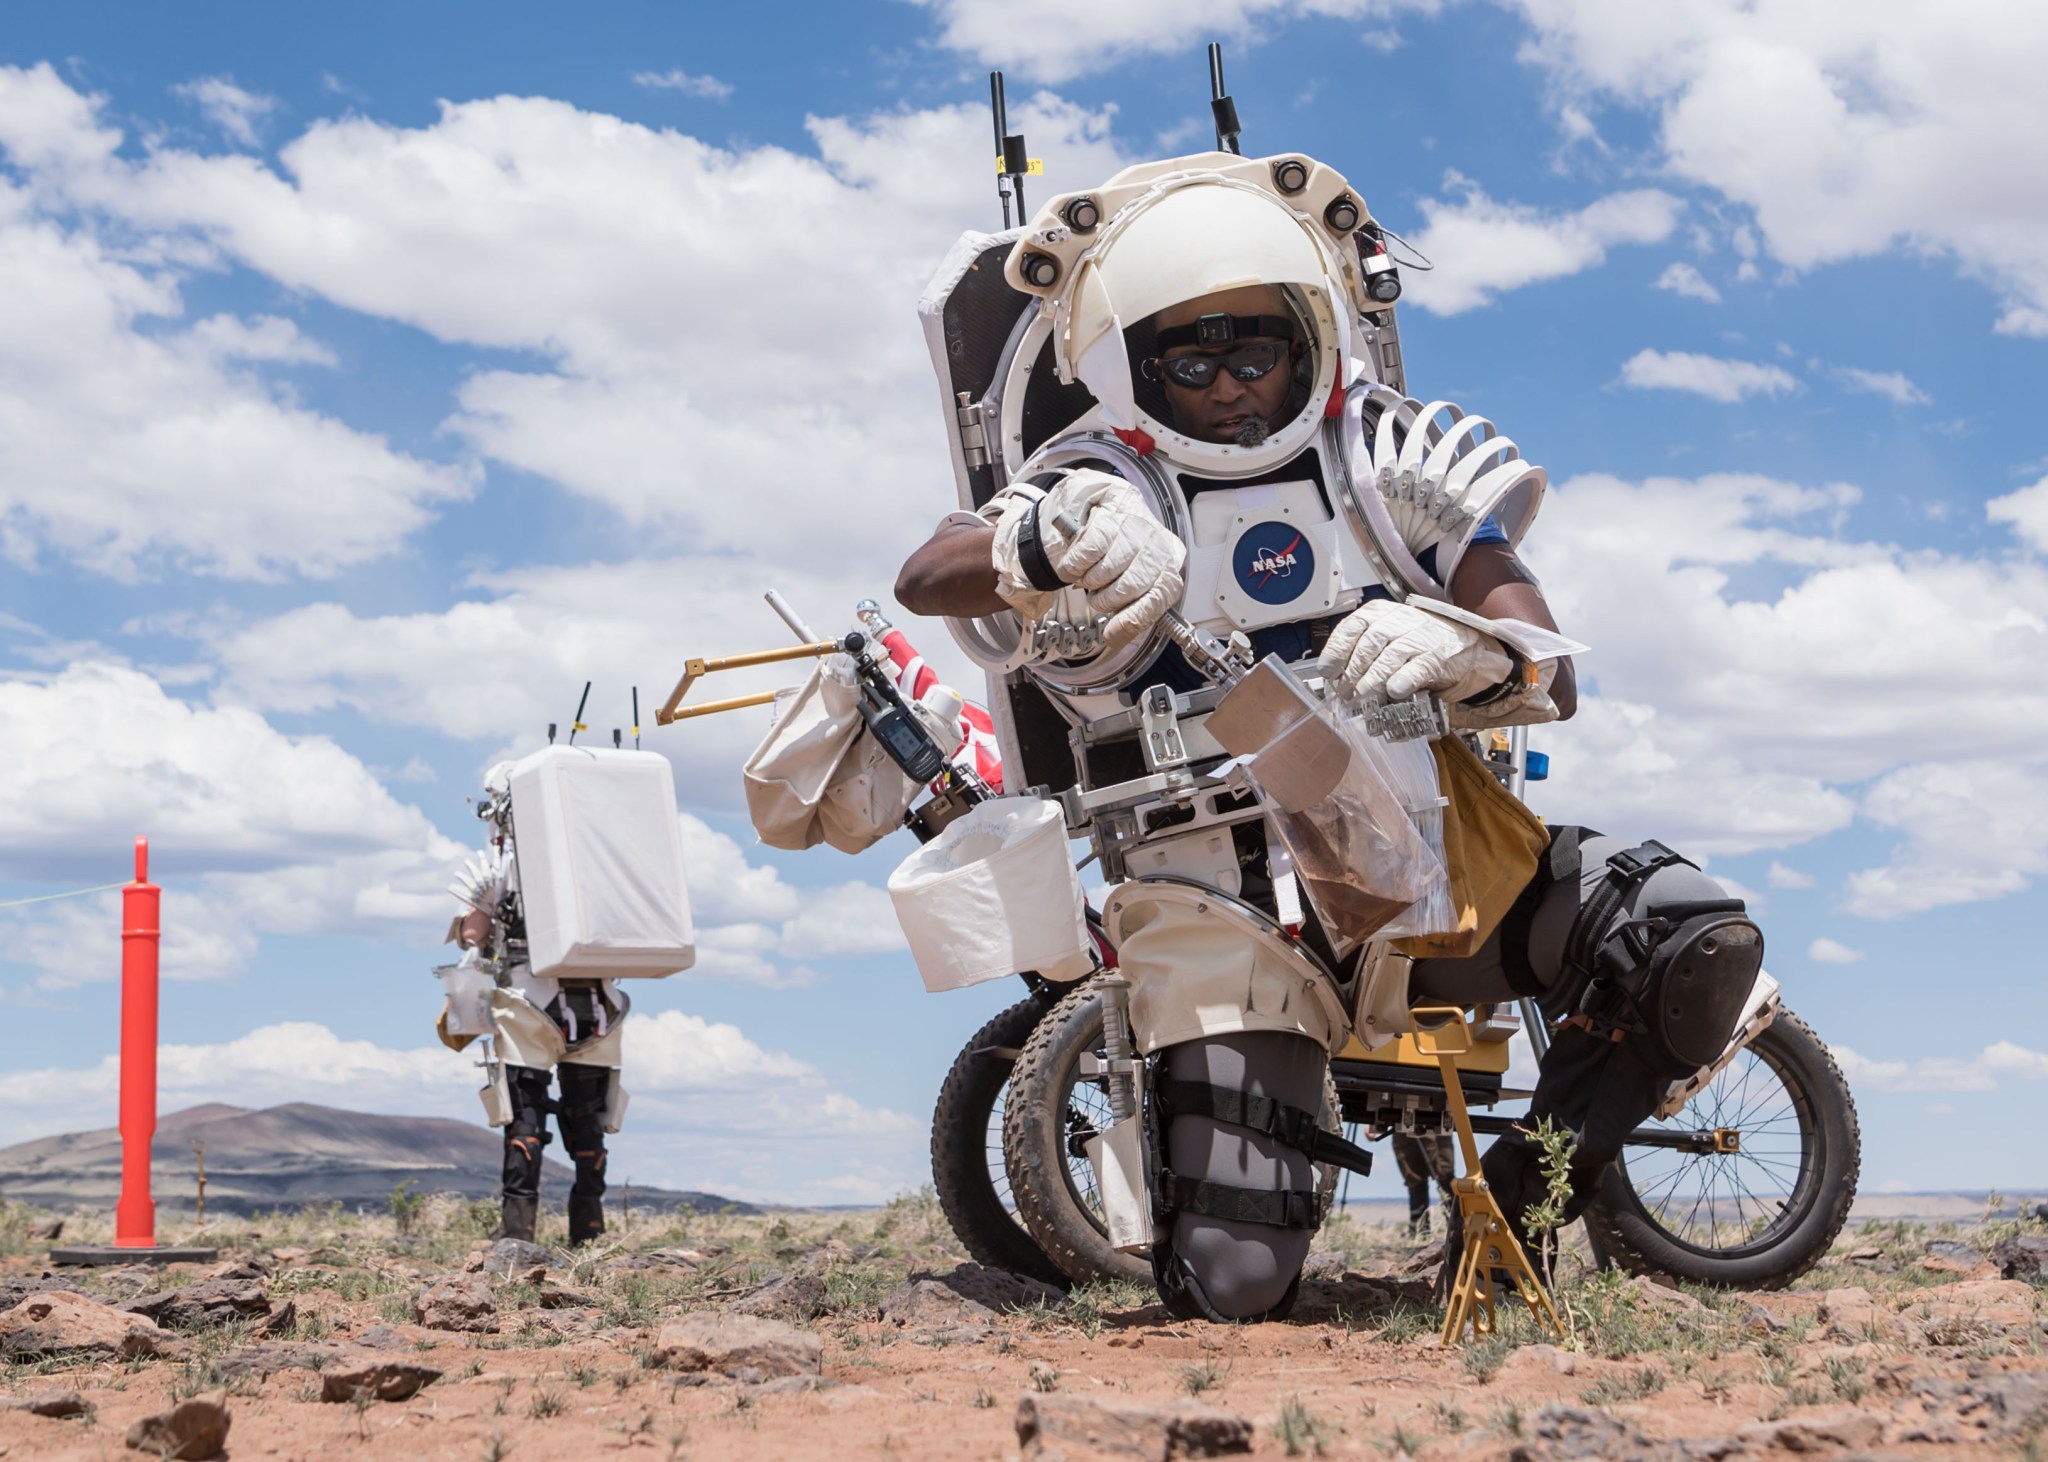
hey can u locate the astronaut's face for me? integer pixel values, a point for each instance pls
(1227, 391)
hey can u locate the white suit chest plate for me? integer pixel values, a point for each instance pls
(1269, 553)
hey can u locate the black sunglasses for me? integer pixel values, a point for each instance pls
(1198, 372)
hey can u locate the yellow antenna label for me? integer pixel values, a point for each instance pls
(1036, 169)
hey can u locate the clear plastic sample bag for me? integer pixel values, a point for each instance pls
(1360, 847)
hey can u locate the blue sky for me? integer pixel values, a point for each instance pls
(369, 379)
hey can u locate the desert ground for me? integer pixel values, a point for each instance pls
(866, 1333)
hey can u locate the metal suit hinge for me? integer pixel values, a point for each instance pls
(973, 430)
(1159, 730)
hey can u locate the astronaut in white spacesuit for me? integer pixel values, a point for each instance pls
(540, 1030)
(1213, 307)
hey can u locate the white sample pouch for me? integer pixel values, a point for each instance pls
(469, 996)
(496, 1094)
(992, 895)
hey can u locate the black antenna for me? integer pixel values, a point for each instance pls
(551, 733)
(617, 738)
(1221, 107)
(1012, 160)
(636, 718)
(995, 102)
(576, 724)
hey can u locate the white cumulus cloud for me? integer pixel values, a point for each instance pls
(128, 444)
(596, 245)
(1731, 721)
(1845, 131)
(236, 112)
(1894, 386)
(100, 753)
(1711, 376)
(252, 831)
(1832, 952)
(1482, 247)
(1682, 279)
(1944, 1073)
(2027, 511)
(710, 88)
(1061, 39)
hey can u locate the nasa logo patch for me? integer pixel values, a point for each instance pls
(1273, 562)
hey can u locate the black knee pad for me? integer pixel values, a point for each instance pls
(1237, 1189)
(1667, 956)
(1699, 976)
(581, 1115)
(527, 1134)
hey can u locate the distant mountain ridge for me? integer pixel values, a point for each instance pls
(289, 1156)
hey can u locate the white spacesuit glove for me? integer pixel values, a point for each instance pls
(1385, 651)
(1091, 532)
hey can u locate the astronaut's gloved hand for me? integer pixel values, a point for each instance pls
(1385, 651)
(1091, 532)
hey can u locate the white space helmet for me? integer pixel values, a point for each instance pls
(1105, 261)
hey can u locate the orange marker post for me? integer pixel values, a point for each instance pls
(141, 936)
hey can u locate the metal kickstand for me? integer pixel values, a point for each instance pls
(1489, 1243)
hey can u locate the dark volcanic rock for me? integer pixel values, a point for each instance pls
(2025, 1257)
(387, 1378)
(197, 1428)
(1572, 1433)
(1048, 1425)
(744, 1347)
(1989, 1407)
(209, 1302)
(508, 1256)
(59, 1322)
(791, 1297)
(962, 1304)
(253, 1362)
(458, 1302)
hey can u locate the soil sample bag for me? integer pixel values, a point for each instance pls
(1357, 852)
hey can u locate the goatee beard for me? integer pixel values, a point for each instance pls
(1254, 432)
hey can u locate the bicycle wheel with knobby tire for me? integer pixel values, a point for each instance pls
(967, 1146)
(1753, 1177)
(1051, 1112)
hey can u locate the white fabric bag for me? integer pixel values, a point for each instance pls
(994, 894)
(469, 996)
(817, 776)
(866, 798)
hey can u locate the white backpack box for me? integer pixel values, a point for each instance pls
(600, 864)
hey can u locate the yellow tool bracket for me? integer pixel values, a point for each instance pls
(671, 711)
(1489, 1243)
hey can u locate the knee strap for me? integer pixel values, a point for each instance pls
(1296, 1208)
(1289, 1126)
(1288, 1208)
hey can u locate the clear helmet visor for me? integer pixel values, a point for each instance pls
(1188, 244)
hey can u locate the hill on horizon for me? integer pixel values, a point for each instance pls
(289, 1156)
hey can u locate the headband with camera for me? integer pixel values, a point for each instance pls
(1227, 330)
